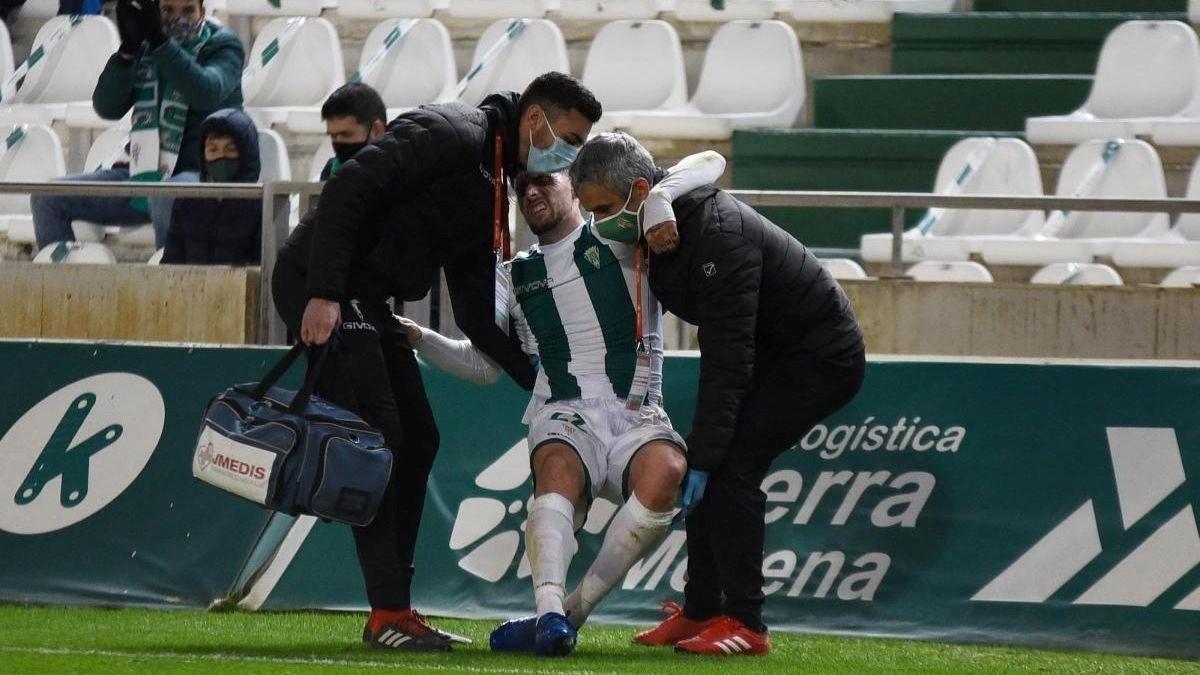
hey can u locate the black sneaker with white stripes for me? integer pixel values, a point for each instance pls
(404, 631)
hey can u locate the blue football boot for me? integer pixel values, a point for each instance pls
(515, 635)
(555, 635)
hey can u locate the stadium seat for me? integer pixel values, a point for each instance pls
(607, 10)
(501, 9)
(417, 68)
(1183, 277)
(284, 8)
(702, 10)
(753, 76)
(959, 271)
(1134, 172)
(843, 268)
(1001, 166)
(66, 73)
(320, 158)
(386, 9)
(156, 258)
(1077, 274)
(31, 154)
(649, 48)
(1148, 70)
(38, 9)
(273, 154)
(537, 49)
(6, 53)
(76, 253)
(105, 150)
(300, 45)
(1178, 247)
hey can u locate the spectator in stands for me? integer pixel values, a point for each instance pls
(426, 196)
(183, 67)
(220, 231)
(780, 350)
(354, 116)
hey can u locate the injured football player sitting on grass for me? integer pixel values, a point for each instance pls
(579, 302)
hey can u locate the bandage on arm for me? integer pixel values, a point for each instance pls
(693, 171)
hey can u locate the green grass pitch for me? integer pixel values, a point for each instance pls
(97, 642)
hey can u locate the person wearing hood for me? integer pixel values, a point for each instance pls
(174, 68)
(429, 196)
(207, 231)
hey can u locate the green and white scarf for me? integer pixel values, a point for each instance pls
(159, 116)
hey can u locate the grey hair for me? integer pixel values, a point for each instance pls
(612, 160)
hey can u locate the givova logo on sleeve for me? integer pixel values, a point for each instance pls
(76, 450)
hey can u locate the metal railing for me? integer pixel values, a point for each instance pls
(276, 197)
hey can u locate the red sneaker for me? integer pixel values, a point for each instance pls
(405, 630)
(727, 637)
(674, 628)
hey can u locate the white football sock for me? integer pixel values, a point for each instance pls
(633, 531)
(550, 543)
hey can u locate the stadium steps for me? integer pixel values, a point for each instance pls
(944, 102)
(1005, 42)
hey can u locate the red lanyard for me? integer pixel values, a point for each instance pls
(500, 234)
(638, 253)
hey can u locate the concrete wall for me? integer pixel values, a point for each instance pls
(129, 302)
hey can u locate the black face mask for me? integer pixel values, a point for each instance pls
(345, 151)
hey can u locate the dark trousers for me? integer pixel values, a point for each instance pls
(725, 532)
(373, 373)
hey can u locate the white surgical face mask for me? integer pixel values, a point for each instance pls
(558, 157)
(621, 226)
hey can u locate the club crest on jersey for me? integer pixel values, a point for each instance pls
(710, 269)
(592, 255)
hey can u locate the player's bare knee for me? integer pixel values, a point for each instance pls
(556, 468)
(656, 474)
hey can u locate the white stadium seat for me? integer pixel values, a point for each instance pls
(266, 8)
(1148, 70)
(1135, 172)
(606, 10)
(108, 147)
(76, 253)
(537, 49)
(156, 258)
(6, 52)
(305, 45)
(753, 76)
(702, 10)
(649, 48)
(66, 73)
(417, 68)
(501, 9)
(33, 156)
(1178, 247)
(385, 9)
(273, 155)
(1184, 277)
(972, 166)
(843, 268)
(1077, 274)
(958, 271)
(320, 158)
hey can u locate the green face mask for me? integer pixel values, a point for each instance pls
(222, 170)
(621, 226)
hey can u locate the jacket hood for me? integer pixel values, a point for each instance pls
(502, 109)
(236, 124)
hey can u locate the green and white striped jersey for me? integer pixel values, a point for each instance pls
(573, 305)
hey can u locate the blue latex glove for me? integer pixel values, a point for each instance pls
(694, 484)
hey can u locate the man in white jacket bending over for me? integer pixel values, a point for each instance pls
(580, 302)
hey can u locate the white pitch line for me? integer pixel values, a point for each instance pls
(281, 660)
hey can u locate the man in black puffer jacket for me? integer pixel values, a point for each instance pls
(780, 350)
(420, 199)
(220, 231)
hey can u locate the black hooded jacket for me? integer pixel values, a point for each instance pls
(756, 294)
(419, 199)
(220, 231)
